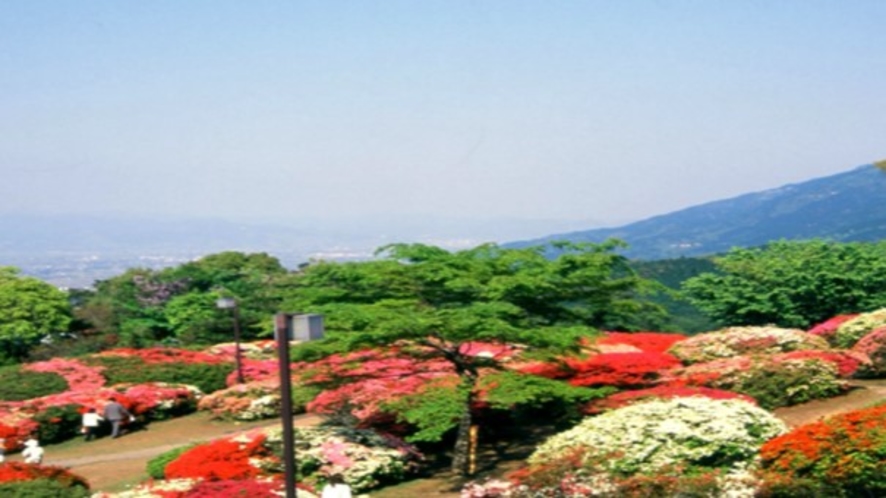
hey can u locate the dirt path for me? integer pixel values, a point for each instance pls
(864, 393)
(115, 464)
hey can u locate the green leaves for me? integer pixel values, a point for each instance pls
(29, 310)
(792, 284)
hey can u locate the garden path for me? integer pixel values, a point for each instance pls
(864, 393)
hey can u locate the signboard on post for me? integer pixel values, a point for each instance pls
(302, 327)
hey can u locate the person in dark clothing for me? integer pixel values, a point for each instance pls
(115, 413)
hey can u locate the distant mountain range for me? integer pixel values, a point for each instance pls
(849, 206)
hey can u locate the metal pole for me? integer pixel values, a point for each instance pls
(237, 358)
(281, 321)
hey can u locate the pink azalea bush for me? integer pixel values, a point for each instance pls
(828, 328)
(873, 346)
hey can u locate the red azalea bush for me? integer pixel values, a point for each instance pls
(256, 370)
(235, 488)
(828, 328)
(624, 370)
(19, 471)
(625, 398)
(222, 459)
(652, 342)
(845, 451)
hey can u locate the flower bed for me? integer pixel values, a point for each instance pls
(625, 398)
(737, 341)
(844, 451)
(828, 328)
(250, 401)
(645, 437)
(365, 458)
(873, 346)
(654, 342)
(625, 370)
(653, 439)
(850, 331)
(18, 471)
(772, 380)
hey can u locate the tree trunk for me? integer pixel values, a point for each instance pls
(463, 443)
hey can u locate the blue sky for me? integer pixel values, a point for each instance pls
(599, 111)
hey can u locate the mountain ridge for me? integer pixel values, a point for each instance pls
(848, 206)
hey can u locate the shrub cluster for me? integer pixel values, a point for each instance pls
(17, 384)
(130, 369)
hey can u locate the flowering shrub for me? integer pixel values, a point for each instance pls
(193, 488)
(365, 458)
(736, 341)
(873, 345)
(255, 350)
(847, 362)
(845, 451)
(625, 398)
(850, 331)
(828, 328)
(18, 471)
(620, 369)
(254, 400)
(772, 380)
(256, 370)
(231, 458)
(18, 384)
(159, 400)
(653, 342)
(166, 355)
(646, 437)
(80, 377)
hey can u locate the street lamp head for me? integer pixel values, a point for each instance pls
(226, 303)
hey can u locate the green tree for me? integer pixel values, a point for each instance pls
(792, 284)
(440, 300)
(30, 310)
(143, 306)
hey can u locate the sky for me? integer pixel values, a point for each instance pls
(588, 111)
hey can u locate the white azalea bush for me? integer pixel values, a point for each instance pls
(713, 441)
(737, 341)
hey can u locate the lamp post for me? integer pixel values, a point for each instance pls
(231, 303)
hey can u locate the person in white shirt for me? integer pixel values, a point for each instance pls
(32, 453)
(91, 421)
(2, 449)
(336, 488)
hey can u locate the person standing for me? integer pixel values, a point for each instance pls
(336, 488)
(2, 449)
(91, 420)
(115, 413)
(32, 453)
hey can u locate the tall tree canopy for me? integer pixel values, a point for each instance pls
(442, 300)
(792, 284)
(144, 306)
(30, 309)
